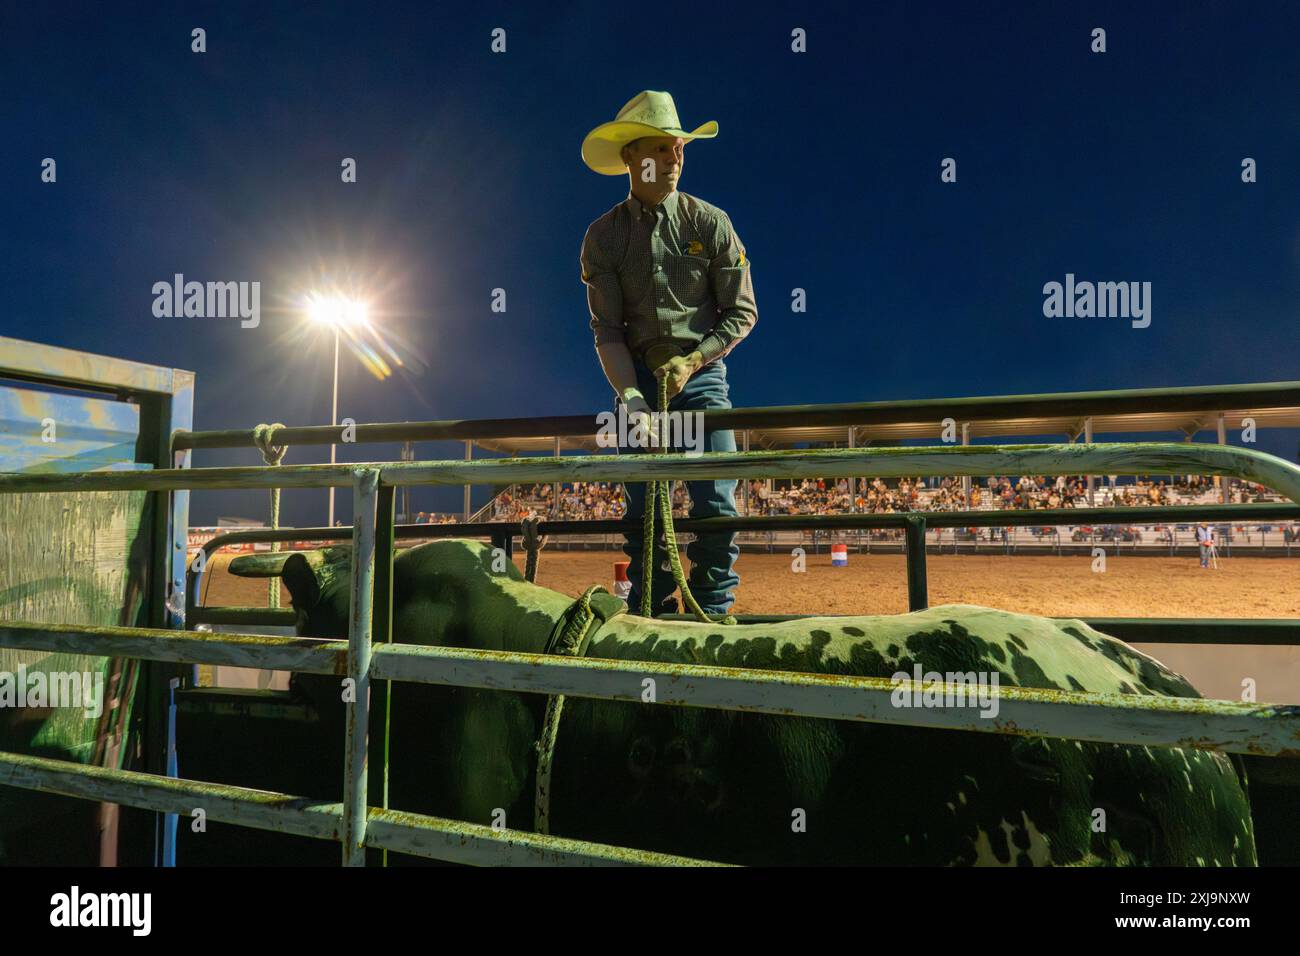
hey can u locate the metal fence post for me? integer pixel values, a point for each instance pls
(555, 488)
(965, 480)
(745, 482)
(383, 624)
(469, 455)
(1087, 440)
(1225, 481)
(365, 483)
(917, 597)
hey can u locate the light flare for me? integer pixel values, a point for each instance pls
(351, 318)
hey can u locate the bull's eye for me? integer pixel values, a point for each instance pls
(641, 757)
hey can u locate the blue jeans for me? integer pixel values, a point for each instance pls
(712, 556)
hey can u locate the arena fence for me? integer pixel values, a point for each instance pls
(914, 525)
(1226, 726)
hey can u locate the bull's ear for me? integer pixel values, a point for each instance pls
(300, 578)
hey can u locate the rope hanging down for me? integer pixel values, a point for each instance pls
(533, 543)
(272, 455)
(659, 494)
(570, 637)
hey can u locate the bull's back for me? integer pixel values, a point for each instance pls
(753, 788)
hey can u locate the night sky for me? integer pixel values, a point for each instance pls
(225, 165)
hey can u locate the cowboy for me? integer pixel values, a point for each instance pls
(1205, 540)
(670, 295)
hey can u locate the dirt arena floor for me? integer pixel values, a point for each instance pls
(877, 584)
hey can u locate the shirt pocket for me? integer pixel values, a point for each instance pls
(688, 279)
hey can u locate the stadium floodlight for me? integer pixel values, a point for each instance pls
(336, 311)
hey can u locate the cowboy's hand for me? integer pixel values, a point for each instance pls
(678, 371)
(639, 418)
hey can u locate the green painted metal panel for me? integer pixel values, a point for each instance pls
(74, 557)
(66, 558)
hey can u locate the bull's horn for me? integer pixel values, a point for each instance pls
(270, 565)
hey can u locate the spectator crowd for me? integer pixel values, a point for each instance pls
(599, 499)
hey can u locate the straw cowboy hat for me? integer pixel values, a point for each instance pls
(649, 113)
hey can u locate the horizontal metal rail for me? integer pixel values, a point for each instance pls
(1226, 726)
(1247, 631)
(1110, 459)
(1199, 399)
(1259, 632)
(1229, 632)
(1012, 518)
(237, 616)
(417, 834)
(304, 655)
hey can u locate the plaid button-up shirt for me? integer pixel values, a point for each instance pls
(674, 274)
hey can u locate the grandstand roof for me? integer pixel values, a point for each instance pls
(1186, 411)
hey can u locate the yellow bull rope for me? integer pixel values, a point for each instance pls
(659, 495)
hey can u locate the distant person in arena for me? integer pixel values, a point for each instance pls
(1205, 540)
(670, 295)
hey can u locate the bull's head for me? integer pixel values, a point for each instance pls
(318, 583)
(440, 589)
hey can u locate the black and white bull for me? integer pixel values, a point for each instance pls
(757, 789)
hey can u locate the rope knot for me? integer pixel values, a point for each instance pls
(271, 454)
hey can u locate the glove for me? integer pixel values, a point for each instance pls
(641, 419)
(678, 370)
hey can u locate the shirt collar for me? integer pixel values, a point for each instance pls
(669, 205)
